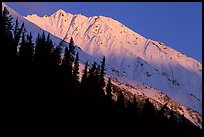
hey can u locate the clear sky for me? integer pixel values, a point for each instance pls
(177, 24)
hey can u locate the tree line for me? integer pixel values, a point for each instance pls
(44, 92)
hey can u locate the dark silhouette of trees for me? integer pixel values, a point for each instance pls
(7, 36)
(102, 73)
(109, 93)
(67, 63)
(121, 102)
(71, 50)
(26, 49)
(66, 67)
(17, 35)
(76, 72)
(148, 109)
(84, 76)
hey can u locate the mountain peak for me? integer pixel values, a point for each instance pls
(60, 12)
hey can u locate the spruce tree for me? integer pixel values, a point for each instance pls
(120, 101)
(43, 51)
(56, 56)
(149, 113)
(97, 77)
(129, 107)
(26, 49)
(66, 75)
(68, 60)
(134, 101)
(49, 44)
(22, 49)
(91, 75)
(120, 109)
(7, 37)
(6, 22)
(37, 48)
(84, 76)
(66, 65)
(48, 51)
(109, 95)
(148, 108)
(30, 47)
(76, 71)
(17, 34)
(102, 73)
(109, 91)
(71, 50)
(43, 39)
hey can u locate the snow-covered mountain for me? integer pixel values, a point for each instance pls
(129, 55)
(150, 67)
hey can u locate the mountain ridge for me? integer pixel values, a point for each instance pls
(129, 54)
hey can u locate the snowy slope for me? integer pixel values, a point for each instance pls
(147, 67)
(159, 99)
(129, 55)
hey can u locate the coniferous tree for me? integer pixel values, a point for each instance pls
(49, 45)
(148, 108)
(129, 106)
(68, 60)
(43, 51)
(97, 80)
(91, 76)
(30, 47)
(22, 49)
(43, 55)
(120, 102)
(6, 57)
(26, 71)
(76, 71)
(99, 91)
(66, 65)
(66, 75)
(92, 89)
(71, 50)
(43, 39)
(149, 114)
(48, 53)
(26, 49)
(37, 49)
(134, 101)
(120, 111)
(84, 76)
(109, 92)
(102, 73)
(84, 86)
(10, 67)
(56, 54)
(7, 37)
(92, 70)
(17, 35)
(7, 26)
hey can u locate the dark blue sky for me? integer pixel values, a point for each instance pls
(177, 24)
